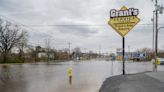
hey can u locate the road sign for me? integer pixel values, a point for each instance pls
(123, 20)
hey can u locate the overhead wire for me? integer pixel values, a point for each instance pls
(30, 26)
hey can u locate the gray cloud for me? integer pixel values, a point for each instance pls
(77, 30)
(80, 12)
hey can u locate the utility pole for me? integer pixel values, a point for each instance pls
(158, 9)
(153, 53)
(155, 23)
(99, 51)
(153, 20)
(156, 13)
(69, 47)
(47, 44)
(156, 35)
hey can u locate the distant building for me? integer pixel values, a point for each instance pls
(135, 56)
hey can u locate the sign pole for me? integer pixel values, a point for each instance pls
(122, 21)
(123, 55)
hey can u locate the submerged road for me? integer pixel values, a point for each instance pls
(88, 76)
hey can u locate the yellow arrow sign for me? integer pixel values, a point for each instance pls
(123, 20)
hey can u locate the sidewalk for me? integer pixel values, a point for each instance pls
(141, 82)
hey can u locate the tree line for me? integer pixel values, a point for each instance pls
(14, 47)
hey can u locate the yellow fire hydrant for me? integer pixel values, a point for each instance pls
(70, 75)
(158, 61)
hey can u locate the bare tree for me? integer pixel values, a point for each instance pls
(77, 52)
(21, 45)
(10, 35)
(33, 51)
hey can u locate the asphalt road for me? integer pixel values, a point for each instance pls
(141, 82)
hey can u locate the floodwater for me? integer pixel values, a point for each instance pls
(88, 76)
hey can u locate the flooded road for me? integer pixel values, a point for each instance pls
(53, 77)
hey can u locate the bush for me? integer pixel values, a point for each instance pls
(15, 60)
(12, 59)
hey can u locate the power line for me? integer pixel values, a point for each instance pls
(64, 25)
(68, 25)
(15, 22)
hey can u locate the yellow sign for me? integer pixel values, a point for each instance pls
(123, 20)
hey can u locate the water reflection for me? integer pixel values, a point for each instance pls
(11, 80)
(5, 76)
(54, 77)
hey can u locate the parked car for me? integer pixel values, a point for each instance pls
(161, 61)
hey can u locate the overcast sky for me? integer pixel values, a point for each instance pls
(87, 20)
